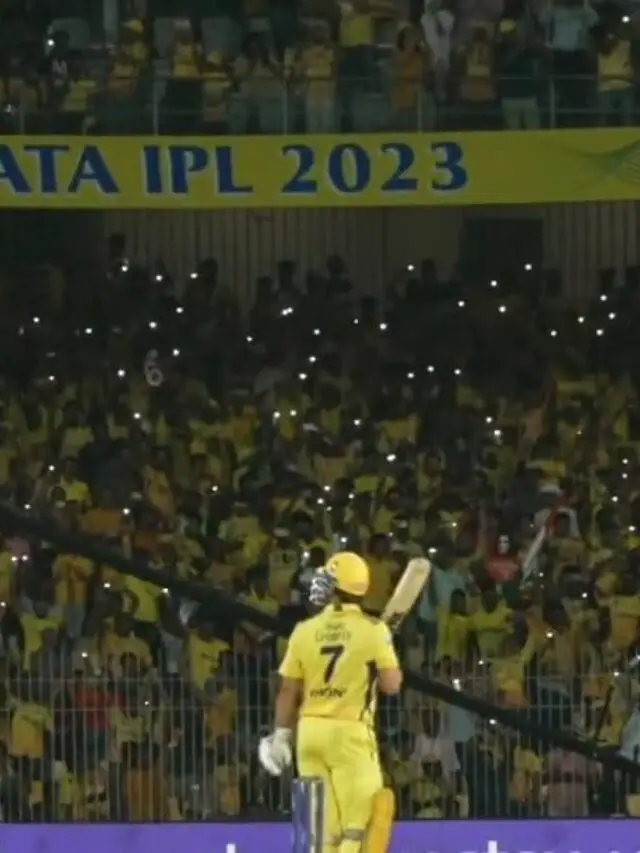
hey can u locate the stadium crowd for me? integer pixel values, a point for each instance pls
(239, 446)
(321, 66)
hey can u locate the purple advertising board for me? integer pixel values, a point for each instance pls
(522, 836)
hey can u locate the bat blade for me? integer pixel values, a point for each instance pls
(413, 580)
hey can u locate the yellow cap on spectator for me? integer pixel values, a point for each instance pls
(135, 25)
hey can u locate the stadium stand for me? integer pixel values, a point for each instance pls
(319, 66)
(482, 418)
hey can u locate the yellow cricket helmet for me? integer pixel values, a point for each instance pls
(350, 571)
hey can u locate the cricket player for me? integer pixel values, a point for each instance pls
(334, 666)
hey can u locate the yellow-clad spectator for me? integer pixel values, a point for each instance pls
(121, 640)
(73, 433)
(624, 615)
(8, 454)
(259, 79)
(185, 54)
(283, 564)
(318, 70)
(616, 74)
(525, 784)
(216, 89)
(71, 575)
(454, 629)
(411, 60)
(258, 597)
(31, 728)
(382, 569)
(182, 98)
(477, 85)
(132, 41)
(76, 109)
(492, 624)
(142, 600)
(8, 565)
(157, 484)
(36, 628)
(75, 489)
(204, 653)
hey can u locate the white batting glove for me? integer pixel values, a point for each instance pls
(274, 751)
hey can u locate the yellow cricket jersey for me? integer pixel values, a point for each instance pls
(337, 655)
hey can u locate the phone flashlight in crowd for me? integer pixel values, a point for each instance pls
(52, 468)
(106, 585)
(317, 333)
(51, 378)
(84, 655)
(249, 339)
(580, 319)
(165, 591)
(352, 495)
(432, 551)
(603, 297)
(50, 43)
(312, 359)
(124, 266)
(457, 372)
(431, 369)
(153, 324)
(528, 267)
(305, 555)
(175, 352)
(286, 312)
(631, 529)
(355, 321)
(343, 540)
(126, 510)
(461, 303)
(357, 422)
(320, 501)
(457, 684)
(553, 333)
(193, 275)
(326, 488)
(411, 375)
(502, 309)
(137, 416)
(488, 419)
(179, 309)
(383, 327)
(497, 435)
(121, 373)
(36, 321)
(159, 276)
(612, 315)
(410, 267)
(27, 507)
(214, 490)
(625, 19)
(275, 416)
(88, 331)
(599, 333)
(614, 499)
(391, 457)
(493, 283)
(302, 377)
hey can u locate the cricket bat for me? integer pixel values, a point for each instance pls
(404, 596)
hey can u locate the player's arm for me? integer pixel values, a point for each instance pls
(275, 750)
(389, 672)
(290, 687)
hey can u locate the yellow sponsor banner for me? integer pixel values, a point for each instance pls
(320, 171)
